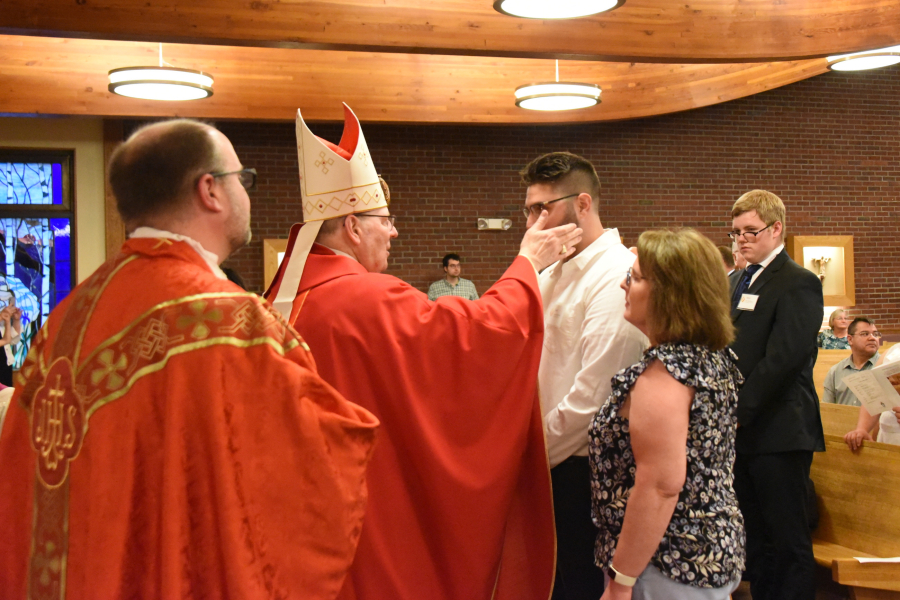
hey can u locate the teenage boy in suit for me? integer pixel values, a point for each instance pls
(777, 309)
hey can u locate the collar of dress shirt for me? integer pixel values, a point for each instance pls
(766, 261)
(851, 365)
(608, 239)
(208, 257)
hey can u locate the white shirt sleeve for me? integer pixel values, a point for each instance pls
(608, 344)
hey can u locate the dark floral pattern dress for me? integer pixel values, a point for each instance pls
(703, 545)
(828, 341)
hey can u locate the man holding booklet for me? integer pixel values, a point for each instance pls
(877, 390)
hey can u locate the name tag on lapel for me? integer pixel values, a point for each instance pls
(748, 302)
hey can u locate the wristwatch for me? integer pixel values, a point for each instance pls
(621, 578)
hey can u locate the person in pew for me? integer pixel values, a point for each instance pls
(662, 447)
(888, 422)
(836, 337)
(864, 340)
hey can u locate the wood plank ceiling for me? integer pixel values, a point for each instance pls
(453, 61)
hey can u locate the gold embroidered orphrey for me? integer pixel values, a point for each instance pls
(61, 398)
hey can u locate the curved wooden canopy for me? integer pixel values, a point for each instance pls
(66, 76)
(453, 61)
(710, 31)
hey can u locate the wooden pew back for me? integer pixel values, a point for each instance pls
(838, 419)
(859, 511)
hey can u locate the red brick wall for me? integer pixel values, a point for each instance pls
(828, 146)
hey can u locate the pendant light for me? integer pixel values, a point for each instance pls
(555, 9)
(863, 61)
(164, 82)
(557, 95)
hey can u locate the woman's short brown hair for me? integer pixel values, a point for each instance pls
(689, 299)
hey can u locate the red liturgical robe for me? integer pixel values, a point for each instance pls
(170, 438)
(459, 479)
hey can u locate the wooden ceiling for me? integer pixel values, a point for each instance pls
(455, 61)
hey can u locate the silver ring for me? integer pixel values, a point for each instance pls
(564, 249)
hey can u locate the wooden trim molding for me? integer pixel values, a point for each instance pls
(113, 135)
(831, 258)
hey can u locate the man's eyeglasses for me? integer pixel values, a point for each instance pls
(247, 177)
(750, 236)
(390, 218)
(866, 334)
(535, 209)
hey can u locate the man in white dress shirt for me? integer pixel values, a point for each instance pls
(586, 341)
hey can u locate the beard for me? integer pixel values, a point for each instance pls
(238, 229)
(570, 216)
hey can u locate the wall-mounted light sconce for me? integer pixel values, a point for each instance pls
(494, 224)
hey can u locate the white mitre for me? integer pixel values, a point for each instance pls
(335, 181)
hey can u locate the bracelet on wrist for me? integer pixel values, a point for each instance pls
(621, 578)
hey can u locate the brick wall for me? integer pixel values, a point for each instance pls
(828, 146)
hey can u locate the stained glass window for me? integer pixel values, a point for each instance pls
(36, 222)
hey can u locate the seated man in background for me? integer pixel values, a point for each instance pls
(864, 340)
(217, 463)
(452, 284)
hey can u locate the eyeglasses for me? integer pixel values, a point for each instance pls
(535, 209)
(866, 334)
(247, 177)
(750, 236)
(631, 275)
(390, 218)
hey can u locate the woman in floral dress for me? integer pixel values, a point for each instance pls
(662, 447)
(836, 337)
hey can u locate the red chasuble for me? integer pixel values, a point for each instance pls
(170, 438)
(459, 487)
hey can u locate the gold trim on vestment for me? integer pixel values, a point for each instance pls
(281, 349)
(79, 388)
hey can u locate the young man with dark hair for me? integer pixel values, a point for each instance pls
(586, 342)
(452, 284)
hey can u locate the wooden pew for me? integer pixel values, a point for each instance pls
(824, 361)
(859, 515)
(838, 419)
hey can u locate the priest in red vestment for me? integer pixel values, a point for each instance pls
(169, 435)
(459, 490)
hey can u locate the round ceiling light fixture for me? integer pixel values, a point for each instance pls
(863, 61)
(556, 9)
(164, 82)
(557, 95)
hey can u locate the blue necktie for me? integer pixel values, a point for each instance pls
(744, 284)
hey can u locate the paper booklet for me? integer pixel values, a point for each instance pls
(876, 388)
